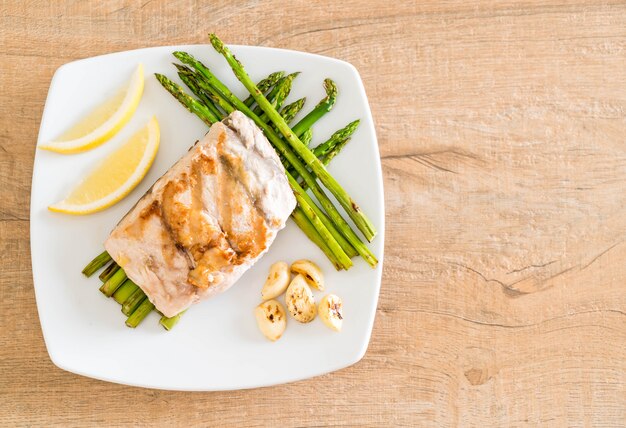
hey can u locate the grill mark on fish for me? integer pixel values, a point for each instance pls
(169, 249)
(236, 164)
(137, 228)
(259, 227)
(231, 174)
(218, 253)
(195, 184)
(173, 217)
(207, 165)
(226, 187)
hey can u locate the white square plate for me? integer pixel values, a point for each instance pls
(216, 345)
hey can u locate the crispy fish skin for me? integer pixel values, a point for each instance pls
(207, 220)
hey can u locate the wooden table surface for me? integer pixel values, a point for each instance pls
(502, 129)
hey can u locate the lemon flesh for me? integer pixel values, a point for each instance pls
(116, 176)
(103, 122)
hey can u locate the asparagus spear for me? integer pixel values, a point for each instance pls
(132, 302)
(320, 110)
(337, 237)
(215, 96)
(312, 118)
(187, 76)
(125, 291)
(339, 136)
(220, 90)
(109, 271)
(169, 323)
(303, 223)
(265, 84)
(190, 104)
(291, 110)
(140, 313)
(298, 215)
(345, 244)
(335, 151)
(360, 219)
(307, 137)
(96, 264)
(113, 283)
(283, 90)
(320, 222)
(288, 113)
(278, 93)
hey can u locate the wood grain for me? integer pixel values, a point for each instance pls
(501, 128)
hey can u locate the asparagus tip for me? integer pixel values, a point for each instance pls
(276, 75)
(330, 88)
(217, 43)
(300, 103)
(182, 56)
(182, 68)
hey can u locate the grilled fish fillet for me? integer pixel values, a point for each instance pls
(207, 220)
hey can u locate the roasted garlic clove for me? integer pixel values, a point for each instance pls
(277, 281)
(300, 300)
(310, 271)
(330, 310)
(271, 319)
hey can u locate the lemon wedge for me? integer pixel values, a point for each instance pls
(102, 122)
(116, 176)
